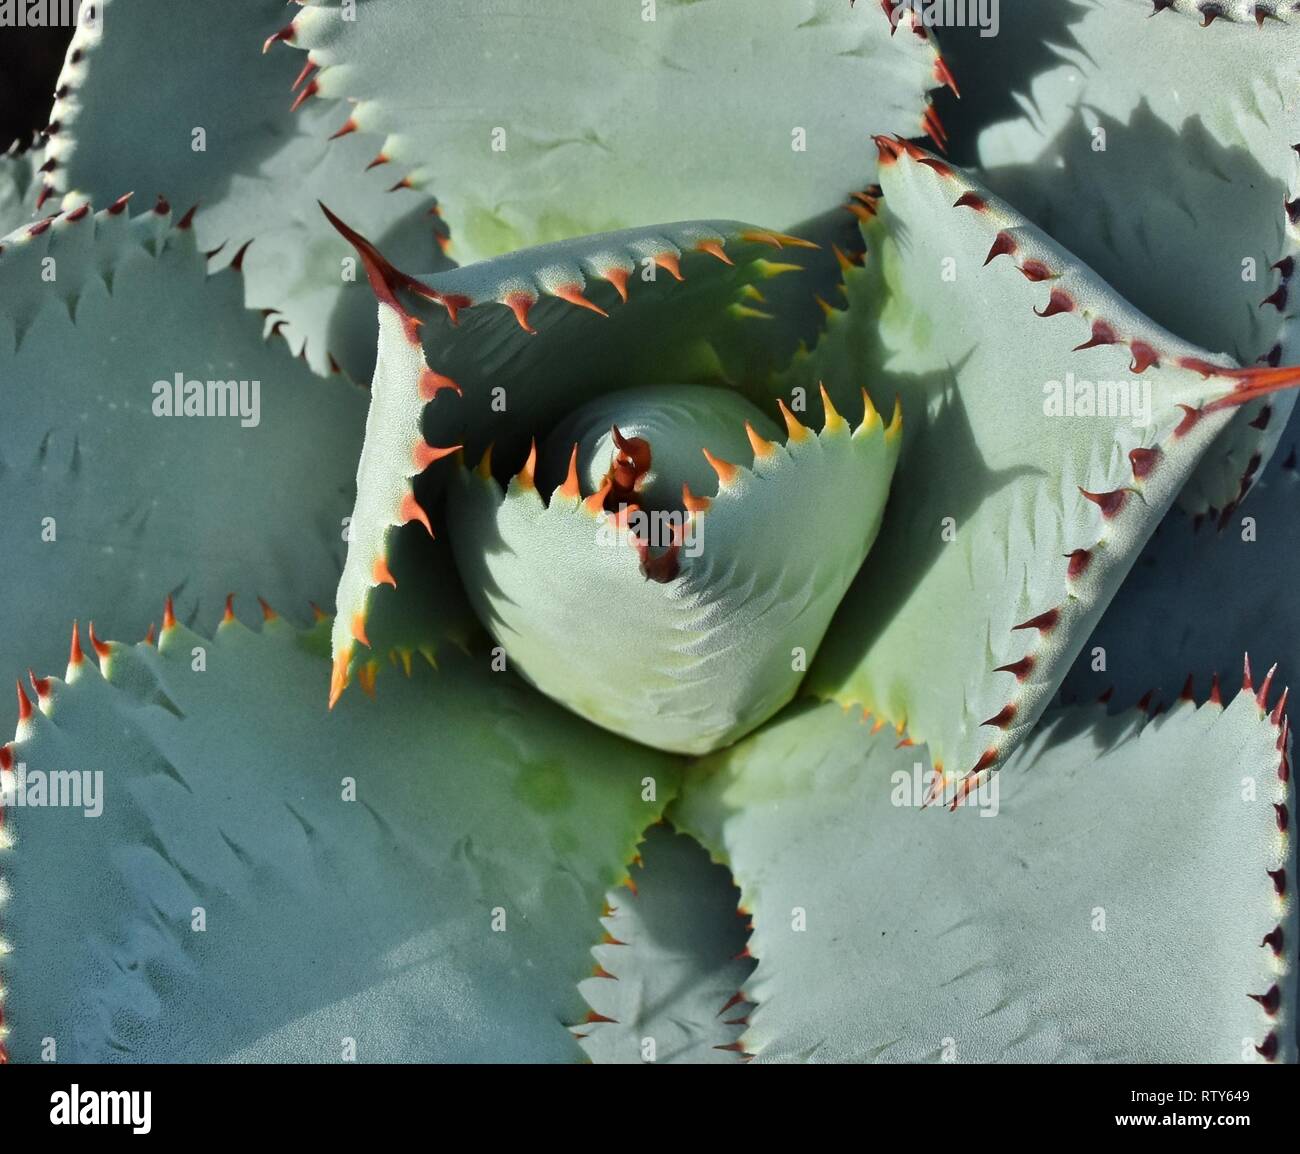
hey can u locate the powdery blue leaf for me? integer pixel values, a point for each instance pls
(418, 879)
(1122, 891)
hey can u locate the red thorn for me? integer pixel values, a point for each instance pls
(735, 1000)
(714, 248)
(83, 210)
(1277, 299)
(1022, 668)
(971, 200)
(307, 70)
(1282, 815)
(1059, 302)
(410, 510)
(890, 150)
(1188, 686)
(1003, 717)
(75, 656)
(24, 704)
(1280, 708)
(188, 219)
(1110, 503)
(425, 454)
(1216, 693)
(229, 614)
(573, 294)
(268, 614)
(381, 574)
(1035, 271)
(1143, 461)
(6, 760)
(431, 384)
(1144, 357)
(1247, 682)
(40, 684)
(380, 159)
(1004, 244)
(309, 91)
(47, 190)
(987, 758)
(238, 263)
(668, 262)
(618, 278)
(162, 206)
(286, 34)
(1191, 416)
(384, 279)
(1044, 622)
(169, 614)
(1080, 559)
(119, 205)
(1102, 334)
(1278, 875)
(1274, 939)
(1104, 697)
(943, 74)
(520, 303)
(101, 648)
(350, 126)
(1270, 1000)
(1262, 696)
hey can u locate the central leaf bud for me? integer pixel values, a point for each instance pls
(664, 565)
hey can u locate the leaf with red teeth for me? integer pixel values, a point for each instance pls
(109, 503)
(1205, 589)
(1161, 153)
(1017, 492)
(578, 153)
(673, 948)
(510, 383)
(422, 883)
(255, 173)
(1037, 921)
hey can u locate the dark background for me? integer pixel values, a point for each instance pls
(30, 60)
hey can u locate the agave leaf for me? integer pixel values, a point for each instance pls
(679, 109)
(1011, 523)
(104, 502)
(1197, 596)
(350, 867)
(670, 965)
(1107, 897)
(1161, 152)
(255, 173)
(494, 365)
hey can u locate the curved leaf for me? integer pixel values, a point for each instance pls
(1162, 153)
(105, 502)
(266, 881)
(213, 127)
(495, 365)
(666, 111)
(1197, 597)
(1014, 515)
(670, 965)
(1107, 897)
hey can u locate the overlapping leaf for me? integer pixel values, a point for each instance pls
(212, 126)
(554, 120)
(1122, 891)
(418, 879)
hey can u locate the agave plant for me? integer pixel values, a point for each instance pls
(769, 536)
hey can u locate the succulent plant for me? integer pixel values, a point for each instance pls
(717, 484)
